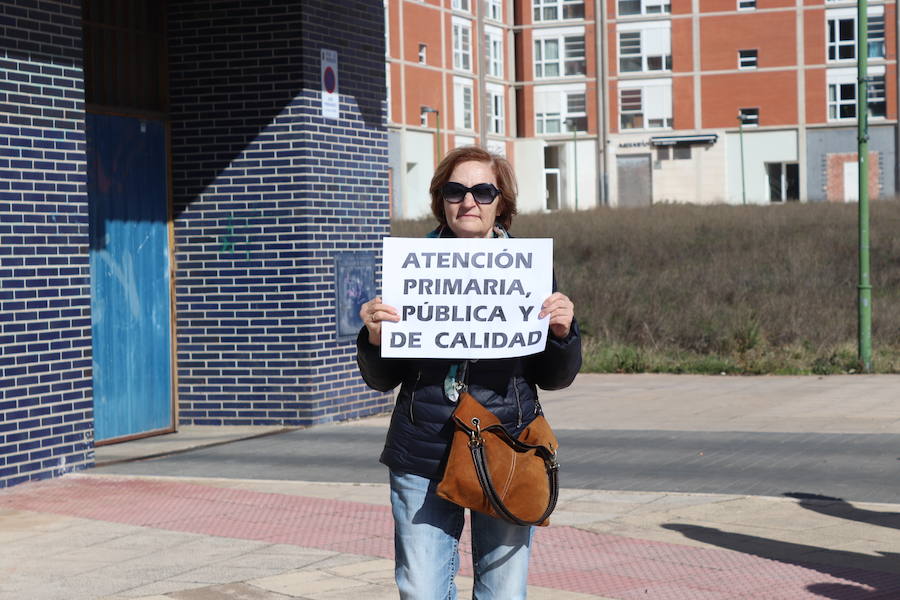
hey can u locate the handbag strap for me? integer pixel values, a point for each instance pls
(476, 446)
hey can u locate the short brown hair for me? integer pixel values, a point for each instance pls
(506, 181)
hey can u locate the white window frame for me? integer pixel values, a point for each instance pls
(655, 103)
(495, 10)
(654, 43)
(648, 7)
(462, 140)
(837, 84)
(497, 147)
(748, 59)
(462, 44)
(462, 5)
(833, 19)
(497, 109)
(564, 39)
(552, 121)
(463, 104)
(783, 185)
(748, 117)
(493, 41)
(555, 10)
(423, 54)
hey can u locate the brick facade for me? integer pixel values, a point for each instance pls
(46, 421)
(834, 174)
(266, 193)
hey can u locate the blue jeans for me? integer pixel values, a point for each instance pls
(426, 546)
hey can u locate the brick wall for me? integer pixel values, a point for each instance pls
(834, 174)
(46, 421)
(266, 192)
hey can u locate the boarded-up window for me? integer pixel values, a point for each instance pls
(124, 54)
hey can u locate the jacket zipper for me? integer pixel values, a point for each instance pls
(412, 398)
(518, 402)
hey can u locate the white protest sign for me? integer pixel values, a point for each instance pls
(466, 298)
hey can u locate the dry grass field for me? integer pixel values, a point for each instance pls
(722, 289)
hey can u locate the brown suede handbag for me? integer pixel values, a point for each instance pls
(494, 473)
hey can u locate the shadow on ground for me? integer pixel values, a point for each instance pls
(874, 577)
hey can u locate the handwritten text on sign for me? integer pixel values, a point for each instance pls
(466, 298)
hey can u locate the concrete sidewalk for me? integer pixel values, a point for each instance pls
(102, 536)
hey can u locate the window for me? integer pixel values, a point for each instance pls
(631, 109)
(746, 4)
(495, 10)
(749, 116)
(495, 95)
(128, 42)
(841, 27)
(876, 36)
(784, 181)
(461, 5)
(423, 54)
(842, 94)
(841, 39)
(875, 94)
(681, 152)
(576, 113)
(630, 52)
(747, 59)
(841, 101)
(462, 104)
(555, 10)
(645, 104)
(559, 109)
(552, 173)
(644, 7)
(549, 62)
(574, 59)
(462, 47)
(493, 41)
(645, 47)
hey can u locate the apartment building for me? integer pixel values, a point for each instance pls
(511, 76)
(747, 100)
(634, 102)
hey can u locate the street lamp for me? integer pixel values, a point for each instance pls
(423, 111)
(740, 119)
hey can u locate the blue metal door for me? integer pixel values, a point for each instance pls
(127, 194)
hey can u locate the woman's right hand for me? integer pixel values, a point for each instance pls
(373, 313)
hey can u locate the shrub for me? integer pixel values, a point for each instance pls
(750, 289)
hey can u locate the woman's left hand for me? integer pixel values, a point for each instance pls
(561, 311)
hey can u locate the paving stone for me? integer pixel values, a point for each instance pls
(232, 591)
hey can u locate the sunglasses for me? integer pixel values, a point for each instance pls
(484, 193)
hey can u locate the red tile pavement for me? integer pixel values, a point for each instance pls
(564, 558)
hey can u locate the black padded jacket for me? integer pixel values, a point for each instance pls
(418, 438)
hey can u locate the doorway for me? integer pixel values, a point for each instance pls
(128, 210)
(635, 182)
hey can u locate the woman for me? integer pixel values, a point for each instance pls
(473, 195)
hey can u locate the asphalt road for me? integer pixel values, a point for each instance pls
(854, 467)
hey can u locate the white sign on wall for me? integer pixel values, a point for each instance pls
(330, 95)
(466, 298)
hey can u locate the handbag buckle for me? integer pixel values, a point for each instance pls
(475, 438)
(553, 463)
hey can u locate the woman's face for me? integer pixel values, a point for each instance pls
(468, 219)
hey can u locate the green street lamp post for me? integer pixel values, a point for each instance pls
(864, 303)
